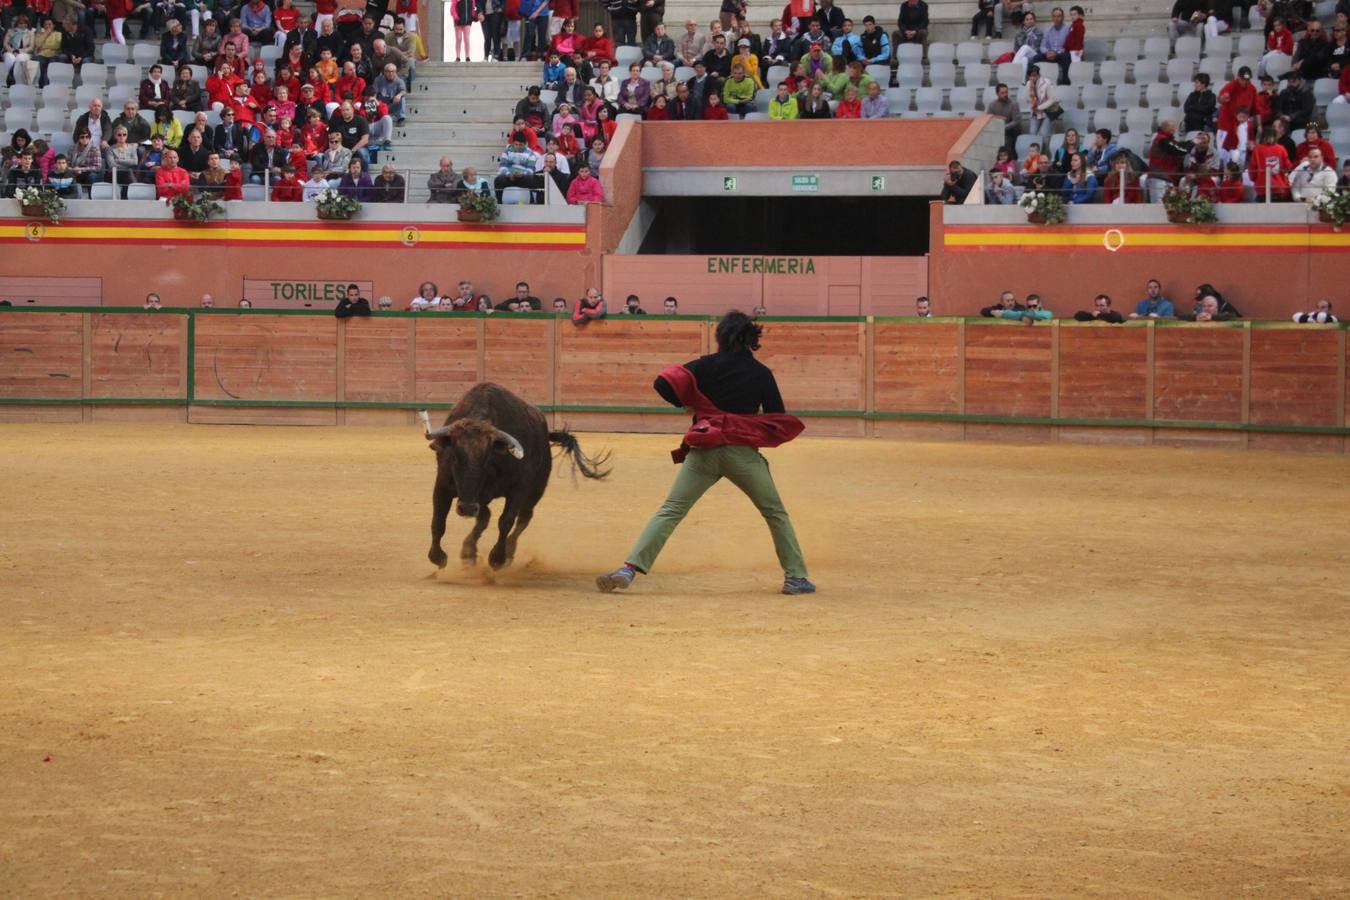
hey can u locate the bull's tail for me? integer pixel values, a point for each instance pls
(590, 466)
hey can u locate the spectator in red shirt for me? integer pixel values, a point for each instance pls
(1269, 157)
(1232, 189)
(1077, 34)
(584, 188)
(1313, 140)
(171, 179)
(1237, 94)
(288, 188)
(850, 107)
(1279, 40)
(1122, 184)
(713, 109)
(598, 47)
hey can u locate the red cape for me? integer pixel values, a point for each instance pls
(714, 428)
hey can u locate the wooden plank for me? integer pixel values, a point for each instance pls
(447, 359)
(614, 361)
(516, 355)
(1103, 372)
(41, 356)
(52, 290)
(818, 365)
(375, 360)
(1007, 370)
(138, 355)
(261, 415)
(1197, 375)
(916, 367)
(266, 357)
(1294, 376)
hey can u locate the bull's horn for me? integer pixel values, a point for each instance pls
(515, 449)
(426, 427)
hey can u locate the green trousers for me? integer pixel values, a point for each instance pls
(744, 467)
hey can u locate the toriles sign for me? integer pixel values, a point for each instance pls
(761, 265)
(269, 292)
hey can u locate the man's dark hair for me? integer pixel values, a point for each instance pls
(1105, 133)
(633, 298)
(737, 332)
(354, 287)
(1000, 85)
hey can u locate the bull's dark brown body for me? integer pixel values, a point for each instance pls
(476, 463)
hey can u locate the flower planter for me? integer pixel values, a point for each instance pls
(470, 215)
(1323, 216)
(1176, 216)
(324, 214)
(1035, 218)
(35, 211)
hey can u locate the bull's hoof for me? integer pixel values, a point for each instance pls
(498, 558)
(438, 557)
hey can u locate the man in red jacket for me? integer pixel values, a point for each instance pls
(725, 391)
(170, 178)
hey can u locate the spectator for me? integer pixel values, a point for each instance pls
(352, 131)
(1270, 165)
(316, 185)
(167, 127)
(984, 16)
(1233, 187)
(1077, 39)
(606, 86)
(392, 90)
(1101, 312)
(670, 306)
(783, 106)
(470, 181)
(287, 188)
(516, 166)
(1039, 100)
(957, 183)
(18, 43)
(266, 160)
(1071, 145)
(1209, 290)
(24, 174)
(86, 159)
(208, 302)
(255, 20)
(235, 38)
(713, 110)
(1284, 138)
(1054, 42)
(1239, 93)
(206, 47)
(173, 46)
(657, 47)
(691, 45)
(875, 105)
(912, 25)
(353, 304)
(850, 107)
(635, 94)
(193, 155)
(527, 301)
(739, 92)
(1313, 140)
(1006, 301)
(1312, 56)
(170, 178)
(152, 301)
(999, 192)
(1312, 178)
(591, 306)
(623, 20)
(717, 61)
(1098, 156)
(847, 46)
(356, 183)
(1321, 315)
(1202, 154)
(336, 158)
(441, 183)
(1344, 183)
(633, 306)
(77, 43)
(1279, 42)
(777, 49)
(1031, 312)
(1187, 16)
(1200, 105)
(1165, 158)
(598, 48)
(1295, 102)
(389, 187)
(584, 188)
(923, 308)
(96, 122)
(1027, 42)
(484, 305)
(1236, 144)
(428, 297)
(465, 13)
(155, 90)
(1207, 311)
(464, 301)
(245, 303)
(1007, 109)
(151, 157)
(813, 105)
(559, 306)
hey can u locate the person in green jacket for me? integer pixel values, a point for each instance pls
(739, 92)
(783, 107)
(1032, 311)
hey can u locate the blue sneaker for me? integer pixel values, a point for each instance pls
(619, 579)
(798, 586)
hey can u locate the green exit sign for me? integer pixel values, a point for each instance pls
(808, 183)
(878, 183)
(729, 183)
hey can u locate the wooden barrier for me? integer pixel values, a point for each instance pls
(1238, 384)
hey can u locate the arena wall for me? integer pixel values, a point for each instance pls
(1240, 384)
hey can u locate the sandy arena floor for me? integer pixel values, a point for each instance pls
(1030, 671)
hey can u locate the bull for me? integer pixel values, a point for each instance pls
(493, 444)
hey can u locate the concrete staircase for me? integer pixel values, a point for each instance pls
(460, 110)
